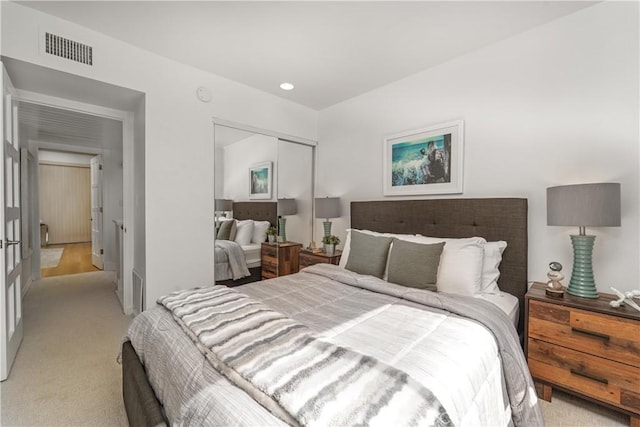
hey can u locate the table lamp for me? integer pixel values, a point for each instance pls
(327, 207)
(222, 205)
(285, 207)
(583, 205)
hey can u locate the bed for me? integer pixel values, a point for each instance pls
(343, 309)
(257, 211)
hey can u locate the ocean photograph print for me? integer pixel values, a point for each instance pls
(424, 161)
(260, 181)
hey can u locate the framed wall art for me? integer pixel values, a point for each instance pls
(260, 181)
(424, 161)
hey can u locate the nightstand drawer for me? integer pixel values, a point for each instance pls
(610, 337)
(602, 379)
(270, 251)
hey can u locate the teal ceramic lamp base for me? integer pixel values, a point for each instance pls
(327, 228)
(282, 222)
(582, 283)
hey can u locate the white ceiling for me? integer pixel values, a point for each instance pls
(330, 50)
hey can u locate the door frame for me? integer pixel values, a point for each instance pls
(127, 119)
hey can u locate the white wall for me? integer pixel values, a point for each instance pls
(554, 105)
(178, 150)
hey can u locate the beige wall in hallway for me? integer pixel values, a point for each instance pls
(65, 202)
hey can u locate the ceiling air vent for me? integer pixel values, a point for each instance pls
(68, 49)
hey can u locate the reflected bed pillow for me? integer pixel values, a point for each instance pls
(368, 254)
(260, 231)
(414, 265)
(227, 230)
(245, 232)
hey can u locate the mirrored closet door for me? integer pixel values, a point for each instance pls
(264, 192)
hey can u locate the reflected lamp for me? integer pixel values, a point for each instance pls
(327, 207)
(223, 205)
(285, 207)
(583, 205)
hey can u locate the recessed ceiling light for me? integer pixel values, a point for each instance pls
(286, 86)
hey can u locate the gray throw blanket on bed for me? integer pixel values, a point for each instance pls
(235, 255)
(299, 378)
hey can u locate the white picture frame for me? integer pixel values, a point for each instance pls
(424, 161)
(260, 178)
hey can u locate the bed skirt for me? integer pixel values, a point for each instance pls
(141, 405)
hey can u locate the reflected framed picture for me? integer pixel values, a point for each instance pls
(424, 161)
(260, 181)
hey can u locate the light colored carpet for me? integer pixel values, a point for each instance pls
(65, 373)
(566, 410)
(50, 257)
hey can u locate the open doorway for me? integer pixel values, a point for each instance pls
(69, 104)
(79, 188)
(69, 194)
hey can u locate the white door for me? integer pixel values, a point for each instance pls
(10, 252)
(97, 250)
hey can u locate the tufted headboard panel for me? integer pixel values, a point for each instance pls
(491, 218)
(258, 211)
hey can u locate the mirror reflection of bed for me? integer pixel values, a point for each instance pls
(237, 149)
(258, 216)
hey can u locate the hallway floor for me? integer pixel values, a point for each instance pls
(76, 258)
(65, 372)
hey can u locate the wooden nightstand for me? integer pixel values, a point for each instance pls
(308, 258)
(585, 347)
(279, 259)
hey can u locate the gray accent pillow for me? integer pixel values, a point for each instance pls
(368, 254)
(414, 265)
(224, 232)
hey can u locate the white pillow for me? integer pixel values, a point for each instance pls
(461, 264)
(245, 232)
(490, 272)
(260, 231)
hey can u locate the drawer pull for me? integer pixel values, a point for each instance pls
(590, 376)
(591, 334)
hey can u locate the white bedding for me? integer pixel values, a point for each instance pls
(455, 358)
(505, 302)
(252, 254)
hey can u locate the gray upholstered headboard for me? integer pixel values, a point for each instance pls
(258, 211)
(493, 218)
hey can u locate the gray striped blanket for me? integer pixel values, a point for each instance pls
(236, 265)
(301, 379)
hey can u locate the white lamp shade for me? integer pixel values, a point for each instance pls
(287, 207)
(327, 207)
(584, 205)
(224, 205)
